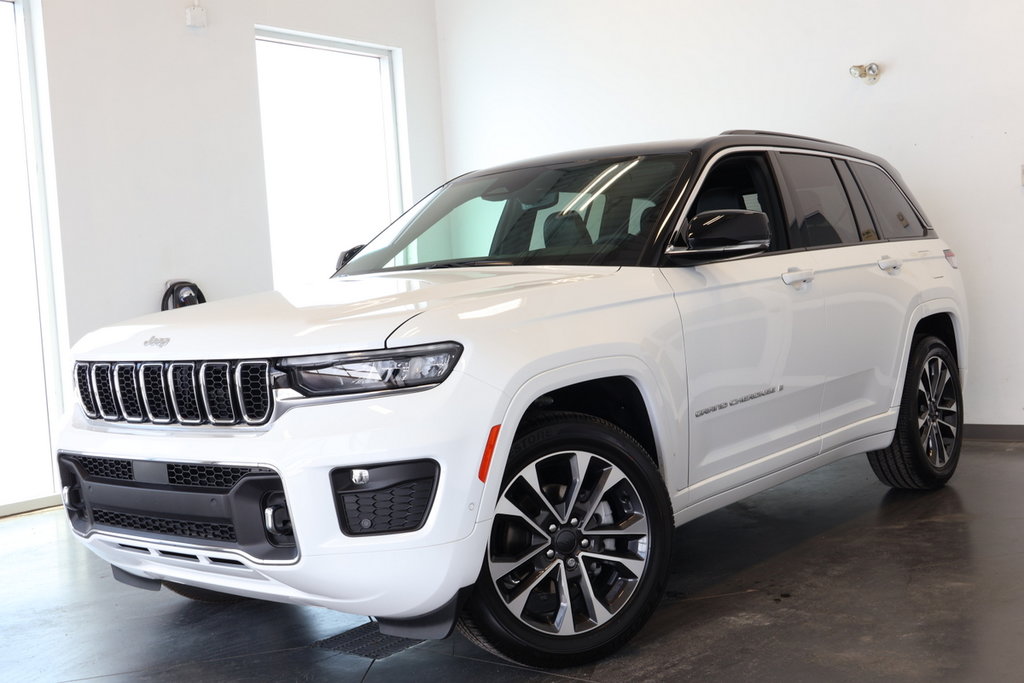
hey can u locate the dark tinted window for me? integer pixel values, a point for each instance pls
(868, 232)
(894, 215)
(823, 213)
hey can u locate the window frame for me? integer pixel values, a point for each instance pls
(395, 142)
(49, 272)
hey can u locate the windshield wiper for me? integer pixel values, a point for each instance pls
(465, 263)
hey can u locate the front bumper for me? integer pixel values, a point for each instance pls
(394, 575)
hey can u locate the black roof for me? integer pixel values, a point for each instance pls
(704, 148)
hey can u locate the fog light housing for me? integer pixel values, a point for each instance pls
(389, 499)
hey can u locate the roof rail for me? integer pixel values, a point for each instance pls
(779, 135)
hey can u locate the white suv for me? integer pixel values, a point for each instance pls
(495, 412)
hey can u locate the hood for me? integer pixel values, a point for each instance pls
(353, 313)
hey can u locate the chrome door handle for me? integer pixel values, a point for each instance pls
(797, 277)
(890, 265)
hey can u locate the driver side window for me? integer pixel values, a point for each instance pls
(741, 181)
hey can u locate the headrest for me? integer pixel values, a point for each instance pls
(565, 230)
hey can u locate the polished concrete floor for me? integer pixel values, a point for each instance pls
(831, 577)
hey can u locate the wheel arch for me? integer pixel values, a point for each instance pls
(616, 399)
(943, 326)
(944, 319)
(622, 390)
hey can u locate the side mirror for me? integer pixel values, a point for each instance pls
(348, 255)
(724, 233)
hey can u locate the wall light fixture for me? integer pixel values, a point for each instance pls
(869, 72)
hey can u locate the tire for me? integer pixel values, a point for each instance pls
(202, 594)
(929, 430)
(578, 554)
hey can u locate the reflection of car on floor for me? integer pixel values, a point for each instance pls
(496, 411)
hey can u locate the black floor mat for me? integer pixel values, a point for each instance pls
(367, 641)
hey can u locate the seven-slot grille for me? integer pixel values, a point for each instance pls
(184, 392)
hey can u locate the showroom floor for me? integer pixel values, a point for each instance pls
(827, 578)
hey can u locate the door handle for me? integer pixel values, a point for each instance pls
(797, 277)
(890, 265)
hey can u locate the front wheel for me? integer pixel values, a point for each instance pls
(926, 447)
(578, 553)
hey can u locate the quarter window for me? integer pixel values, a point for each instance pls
(895, 217)
(823, 213)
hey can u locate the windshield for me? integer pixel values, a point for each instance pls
(585, 213)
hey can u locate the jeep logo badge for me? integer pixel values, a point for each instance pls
(160, 342)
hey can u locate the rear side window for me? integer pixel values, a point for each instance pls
(894, 216)
(823, 213)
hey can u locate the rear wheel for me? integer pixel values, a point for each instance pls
(926, 447)
(579, 547)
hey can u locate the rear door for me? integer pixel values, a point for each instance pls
(752, 329)
(868, 283)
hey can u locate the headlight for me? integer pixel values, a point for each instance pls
(385, 370)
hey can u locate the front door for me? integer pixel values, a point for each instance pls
(751, 332)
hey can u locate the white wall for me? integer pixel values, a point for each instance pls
(157, 144)
(538, 76)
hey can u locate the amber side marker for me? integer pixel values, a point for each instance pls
(485, 462)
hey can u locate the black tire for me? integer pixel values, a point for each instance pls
(202, 594)
(596, 480)
(926, 447)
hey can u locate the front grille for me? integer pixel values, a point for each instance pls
(154, 393)
(84, 384)
(210, 531)
(183, 392)
(127, 392)
(216, 378)
(105, 392)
